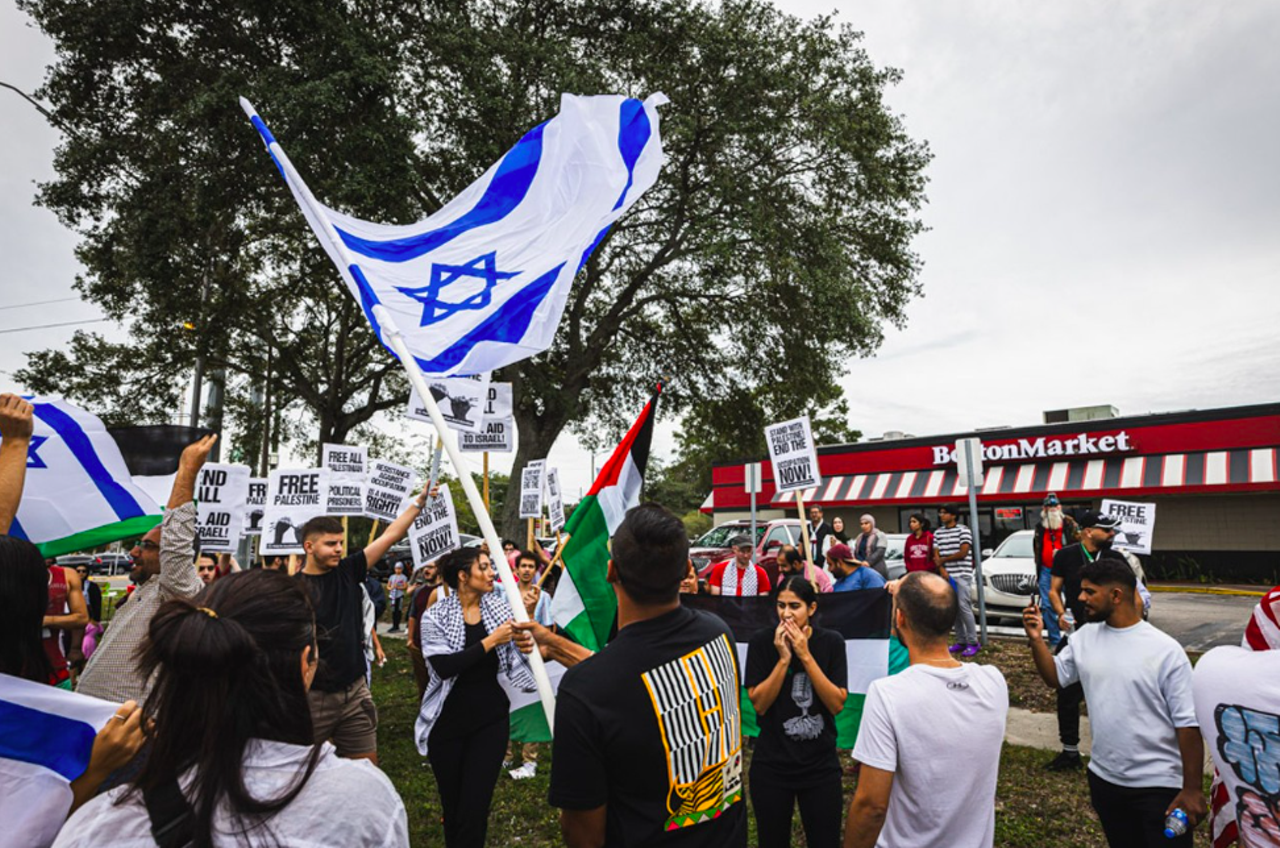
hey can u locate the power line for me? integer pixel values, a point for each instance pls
(39, 303)
(51, 326)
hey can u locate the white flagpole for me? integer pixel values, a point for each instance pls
(393, 338)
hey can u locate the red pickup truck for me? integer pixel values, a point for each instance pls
(713, 547)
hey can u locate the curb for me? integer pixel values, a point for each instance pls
(1207, 590)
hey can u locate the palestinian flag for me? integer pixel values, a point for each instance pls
(862, 617)
(584, 604)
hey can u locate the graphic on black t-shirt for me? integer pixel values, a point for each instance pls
(695, 698)
(803, 726)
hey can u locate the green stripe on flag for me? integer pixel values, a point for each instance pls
(586, 559)
(107, 533)
(529, 724)
(850, 718)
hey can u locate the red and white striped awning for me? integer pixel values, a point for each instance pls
(1115, 475)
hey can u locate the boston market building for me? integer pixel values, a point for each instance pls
(1211, 473)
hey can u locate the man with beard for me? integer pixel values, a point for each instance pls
(1054, 532)
(1097, 530)
(819, 530)
(791, 561)
(1148, 757)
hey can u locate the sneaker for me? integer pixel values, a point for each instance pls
(955, 649)
(525, 771)
(971, 651)
(1065, 761)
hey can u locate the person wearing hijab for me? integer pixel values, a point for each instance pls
(869, 547)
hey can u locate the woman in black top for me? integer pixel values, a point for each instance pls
(796, 678)
(462, 726)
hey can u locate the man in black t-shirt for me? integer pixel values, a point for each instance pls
(342, 710)
(1096, 532)
(648, 741)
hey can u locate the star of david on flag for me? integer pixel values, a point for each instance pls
(483, 282)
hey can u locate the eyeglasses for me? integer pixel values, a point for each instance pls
(148, 545)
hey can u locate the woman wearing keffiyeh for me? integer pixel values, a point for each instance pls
(462, 726)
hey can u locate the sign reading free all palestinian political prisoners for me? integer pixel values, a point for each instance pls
(434, 531)
(462, 401)
(389, 486)
(348, 469)
(794, 458)
(1137, 524)
(253, 506)
(294, 497)
(221, 493)
(531, 489)
(555, 499)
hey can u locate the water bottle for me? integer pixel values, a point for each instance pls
(1176, 824)
(1069, 618)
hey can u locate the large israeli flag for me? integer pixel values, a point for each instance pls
(78, 492)
(483, 282)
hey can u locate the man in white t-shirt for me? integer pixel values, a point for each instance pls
(930, 738)
(1148, 757)
(1237, 694)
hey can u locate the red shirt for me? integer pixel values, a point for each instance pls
(57, 606)
(1052, 544)
(716, 578)
(918, 553)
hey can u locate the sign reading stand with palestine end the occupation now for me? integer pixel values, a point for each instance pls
(434, 531)
(531, 489)
(794, 457)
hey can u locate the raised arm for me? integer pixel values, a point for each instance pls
(395, 531)
(16, 422)
(79, 615)
(178, 576)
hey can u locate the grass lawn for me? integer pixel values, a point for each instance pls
(1034, 808)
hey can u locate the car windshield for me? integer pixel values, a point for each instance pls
(1016, 546)
(894, 546)
(718, 537)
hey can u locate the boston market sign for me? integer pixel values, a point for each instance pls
(1043, 447)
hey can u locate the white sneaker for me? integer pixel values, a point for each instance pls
(526, 770)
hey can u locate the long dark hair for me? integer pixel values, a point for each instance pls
(453, 564)
(227, 672)
(24, 595)
(801, 587)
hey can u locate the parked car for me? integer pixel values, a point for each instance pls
(75, 561)
(713, 546)
(894, 556)
(1009, 577)
(112, 564)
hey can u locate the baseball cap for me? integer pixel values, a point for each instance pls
(1051, 499)
(1100, 520)
(840, 551)
(740, 541)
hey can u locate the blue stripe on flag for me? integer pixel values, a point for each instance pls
(268, 139)
(367, 301)
(508, 324)
(16, 531)
(505, 192)
(633, 135)
(116, 495)
(58, 743)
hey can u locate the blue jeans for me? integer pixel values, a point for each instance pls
(1046, 607)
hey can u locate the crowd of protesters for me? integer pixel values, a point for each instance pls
(245, 714)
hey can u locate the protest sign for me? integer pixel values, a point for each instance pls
(462, 401)
(555, 499)
(294, 497)
(348, 469)
(531, 489)
(253, 506)
(791, 450)
(221, 493)
(389, 486)
(498, 403)
(1137, 525)
(434, 531)
(496, 436)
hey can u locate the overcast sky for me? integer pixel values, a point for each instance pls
(1103, 208)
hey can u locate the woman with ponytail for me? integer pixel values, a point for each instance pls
(463, 725)
(232, 759)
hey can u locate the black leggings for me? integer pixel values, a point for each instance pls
(774, 800)
(466, 770)
(396, 604)
(1069, 701)
(1134, 818)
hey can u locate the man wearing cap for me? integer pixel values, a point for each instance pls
(1053, 533)
(1097, 530)
(851, 574)
(738, 576)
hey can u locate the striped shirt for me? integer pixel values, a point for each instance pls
(949, 540)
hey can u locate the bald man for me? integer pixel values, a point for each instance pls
(938, 719)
